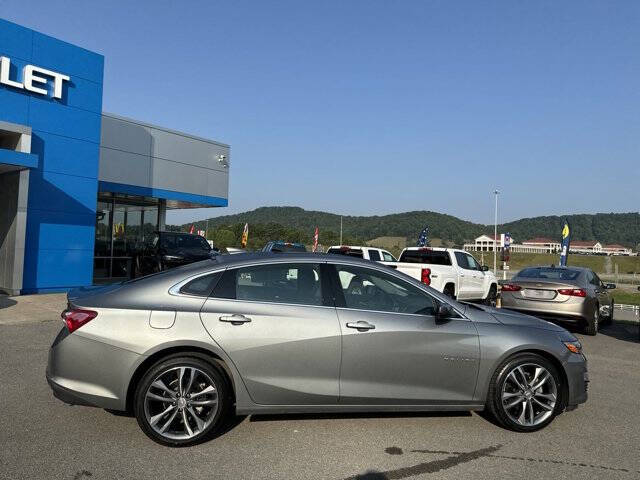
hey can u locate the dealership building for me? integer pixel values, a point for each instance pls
(81, 189)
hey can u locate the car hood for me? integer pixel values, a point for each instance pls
(509, 317)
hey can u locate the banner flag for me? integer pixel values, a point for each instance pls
(423, 239)
(191, 230)
(566, 242)
(315, 241)
(245, 235)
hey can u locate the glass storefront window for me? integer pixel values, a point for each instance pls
(121, 229)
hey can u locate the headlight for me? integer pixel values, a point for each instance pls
(573, 347)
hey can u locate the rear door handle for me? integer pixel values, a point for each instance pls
(361, 326)
(235, 319)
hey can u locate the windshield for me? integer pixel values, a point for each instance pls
(426, 256)
(351, 252)
(549, 273)
(288, 247)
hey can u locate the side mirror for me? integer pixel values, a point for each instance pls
(610, 286)
(443, 311)
(484, 268)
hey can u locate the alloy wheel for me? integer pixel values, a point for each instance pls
(529, 394)
(181, 402)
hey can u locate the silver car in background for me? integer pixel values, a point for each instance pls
(268, 333)
(569, 294)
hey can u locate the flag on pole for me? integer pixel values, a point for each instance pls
(566, 242)
(315, 240)
(245, 235)
(191, 230)
(423, 239)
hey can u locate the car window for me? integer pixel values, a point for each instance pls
(374, 255)
(191, 241)
(351, 252)
(387, 257)
(201, 286)
(366, 289)
(168, 241)
(473, 264)
(278, 283)
(426, 255)
(549, 273)
(462, 260)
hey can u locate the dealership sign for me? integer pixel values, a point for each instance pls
(33, 79)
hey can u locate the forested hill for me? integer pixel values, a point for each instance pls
(622, 228)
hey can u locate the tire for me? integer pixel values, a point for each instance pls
(450, 291)
(492, 296)
(165, 407)
(592, 325)
(511, 385)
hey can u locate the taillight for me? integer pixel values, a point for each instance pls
(573, 292)
(77, 317)
(425, 276)
(510, 287)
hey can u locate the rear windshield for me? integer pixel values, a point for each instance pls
(283, 247)
(351, 252)
(549, 273)
(426, 256)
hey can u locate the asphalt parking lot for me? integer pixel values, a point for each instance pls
(41, 438)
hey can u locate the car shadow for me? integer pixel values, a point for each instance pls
(621, 331)
(6, 301)
(347, 415)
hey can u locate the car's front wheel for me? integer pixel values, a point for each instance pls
(525, 393)
(180, 401)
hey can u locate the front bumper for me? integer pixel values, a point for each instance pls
(578, 380)
(83, 371)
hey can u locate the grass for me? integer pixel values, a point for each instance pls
(597, 263)
(628, 298)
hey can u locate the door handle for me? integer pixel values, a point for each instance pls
(235, 319)
(361, 326)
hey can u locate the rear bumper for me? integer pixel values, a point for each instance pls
(574, 311)
(82, 371)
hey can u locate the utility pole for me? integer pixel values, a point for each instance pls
(495, 236)
(340, 229)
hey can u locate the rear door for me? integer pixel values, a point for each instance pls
(393, 349)
(278, 325)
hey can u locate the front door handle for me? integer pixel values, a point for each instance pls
(235, 319)
(361, 326)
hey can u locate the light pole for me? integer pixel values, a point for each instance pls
(495, 235)
(340, 229)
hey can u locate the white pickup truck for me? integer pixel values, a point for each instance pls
(453, 272)
(368, 253)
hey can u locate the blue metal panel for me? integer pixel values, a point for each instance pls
(18, 158)
(15, 40)
(65, 139)
(66, 121)
(65, 155)
(203, 200)
(65, 58)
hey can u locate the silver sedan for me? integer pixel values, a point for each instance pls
(266, 333)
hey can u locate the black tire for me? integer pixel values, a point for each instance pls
(492, 296)
(497, 405)
(164, 369)
(450, 291)
(592, 325)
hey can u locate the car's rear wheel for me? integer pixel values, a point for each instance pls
(181, 401)
(492, 296)
(592, 325)
(450, 291)
(525, 393)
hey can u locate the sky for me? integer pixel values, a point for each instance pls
(374, 107)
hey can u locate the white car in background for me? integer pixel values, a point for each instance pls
(453, 272)
(368, 253)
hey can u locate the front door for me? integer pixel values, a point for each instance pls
(275, 323)
(393, 349)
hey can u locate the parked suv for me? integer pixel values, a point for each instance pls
(166, 250)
